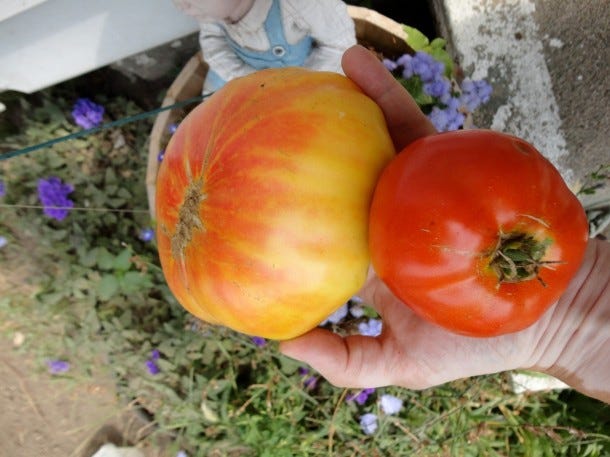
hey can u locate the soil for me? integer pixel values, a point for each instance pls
(44, 415)
(58, 416)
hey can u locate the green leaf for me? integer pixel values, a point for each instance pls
(415, 39)
(289, 366)
(442, 56)
(134, 281)
(110, 177)
(89, 258)
(107, 287)
(105, 260)
(438, 43)
(122, 262)
(115, 202)
(124, 193)
(415, 87)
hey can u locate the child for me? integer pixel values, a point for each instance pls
(241, 36)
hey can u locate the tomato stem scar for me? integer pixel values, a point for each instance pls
(518, 257)
(188, 219)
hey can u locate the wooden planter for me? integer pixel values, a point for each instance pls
(373, 30)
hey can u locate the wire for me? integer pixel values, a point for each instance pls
(108, 125)
(75, 208)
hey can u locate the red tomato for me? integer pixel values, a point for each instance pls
(476, 231)
(263, 200)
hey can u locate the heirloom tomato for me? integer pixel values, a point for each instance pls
(476, 231)
(263, 199)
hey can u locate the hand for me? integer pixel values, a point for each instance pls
(411, 352)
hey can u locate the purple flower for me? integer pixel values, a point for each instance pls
(390, 404)
(475, 93)
(337, 316)
(303, 371)
(58, 366)
(3, 241)
(259, 341)
(361, 397)
(87, 114)
(390, 64)
(406, 61)
(172, 128)
(439, 88)
(182, 454)
(161, 155)
(426, 67)
(449, 118)
(368, 423)
(357, 308)
(370, 328)
(53, 194)
(152, 367)
(310, 381)
(2, 189)
(147, 234)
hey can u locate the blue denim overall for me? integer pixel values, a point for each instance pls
(280, 53)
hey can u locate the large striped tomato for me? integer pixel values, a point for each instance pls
(263, 198)
(476, 231)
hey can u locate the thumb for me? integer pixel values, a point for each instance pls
(353, 361)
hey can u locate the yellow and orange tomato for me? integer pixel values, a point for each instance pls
(263, 200)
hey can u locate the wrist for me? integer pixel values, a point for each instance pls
(575, 343)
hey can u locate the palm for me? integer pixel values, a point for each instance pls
(419, 354)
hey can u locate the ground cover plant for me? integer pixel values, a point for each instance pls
(83, 282)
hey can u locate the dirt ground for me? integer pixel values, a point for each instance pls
(51, 416)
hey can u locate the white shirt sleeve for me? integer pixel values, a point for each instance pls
(219, 55)
(330, 26)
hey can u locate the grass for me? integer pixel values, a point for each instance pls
(89, 291)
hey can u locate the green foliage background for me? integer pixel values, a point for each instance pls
(89, 291)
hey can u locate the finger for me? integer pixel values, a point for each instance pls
(405, 120)
(353, 361)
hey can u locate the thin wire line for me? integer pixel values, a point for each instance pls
(75, 208)
(82, 133)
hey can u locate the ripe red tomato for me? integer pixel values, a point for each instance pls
(263, 200)
(476, 231)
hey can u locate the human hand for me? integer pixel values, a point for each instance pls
(410, 351)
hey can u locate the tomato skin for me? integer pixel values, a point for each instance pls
(436, 216)
(263, 198)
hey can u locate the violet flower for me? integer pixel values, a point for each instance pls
(53, 194)
(151, 365)
(475, 93)
(57, 366)
(259, 341)
(361, 397)
(372, 327)
(309, 382)
(87, 114)
(146, 234)
(390, 404)
(337, 316)
(426, 67)
(368, 423)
